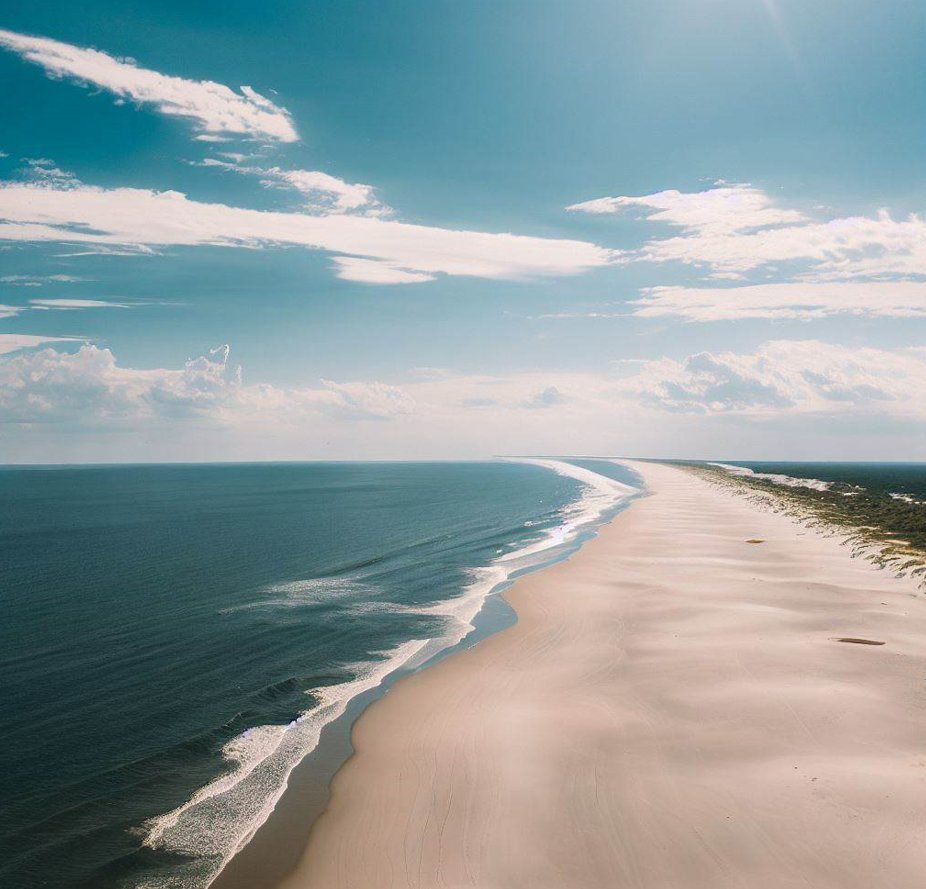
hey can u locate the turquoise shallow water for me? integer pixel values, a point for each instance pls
(173, 638)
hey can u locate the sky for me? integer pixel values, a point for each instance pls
(432, 230)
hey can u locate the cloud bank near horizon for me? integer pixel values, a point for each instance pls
(89, 388)
(781, 378)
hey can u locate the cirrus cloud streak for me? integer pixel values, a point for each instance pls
(786, 301)
(141, 218)
(213, 107)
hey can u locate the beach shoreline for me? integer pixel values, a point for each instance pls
(675, 706)
(275, 846)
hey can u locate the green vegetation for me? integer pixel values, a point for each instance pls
(884, 530)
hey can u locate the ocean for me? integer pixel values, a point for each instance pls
(174, 638)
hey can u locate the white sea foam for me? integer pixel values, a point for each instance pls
(220, 818)
(775, 478)
(303, 592)
(600, 494)
(460, 612)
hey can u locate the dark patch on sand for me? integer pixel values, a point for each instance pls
(859, 641)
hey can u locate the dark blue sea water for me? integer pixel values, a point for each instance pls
(173, 638)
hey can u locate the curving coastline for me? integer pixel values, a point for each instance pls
(674, 707)
(321, 737)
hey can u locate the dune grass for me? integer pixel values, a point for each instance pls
(889, 532)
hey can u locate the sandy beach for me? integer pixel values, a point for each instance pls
(672, 710)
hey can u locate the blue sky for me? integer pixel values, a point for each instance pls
(430, 229)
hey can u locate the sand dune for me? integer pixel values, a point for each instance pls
(673, 710)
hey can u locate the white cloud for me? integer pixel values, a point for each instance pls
(140, 218)
(138, 250)
(781, 378)
(840, 249)
(723, 209)
(324, 193)
(47, 305)
(764, 404)
(16, 342)
(213, 107)
(371, 271)
(77, 304)
(563, 316)
(37, 280)
(368, 400)
(787, 377)
(549, 397)
(43, 171)
(737, 229)
(89, 387)
(787, 300)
